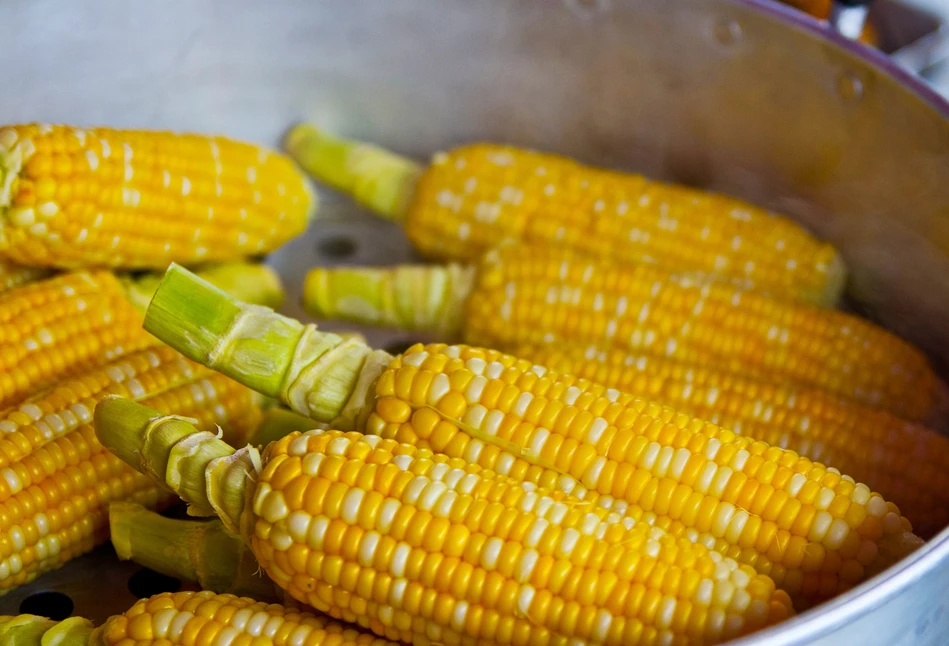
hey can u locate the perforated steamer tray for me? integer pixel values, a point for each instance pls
(737, 96)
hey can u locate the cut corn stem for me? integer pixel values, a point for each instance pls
(170, 450)
(279, 422)
(200, 551)
(375, 177)
(413, 297)
(179, 618)
(275, 355)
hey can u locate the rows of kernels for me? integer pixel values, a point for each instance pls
(152, 372)
(69, 516)
(473, 198)
(143, 199)
(413, 538)
(188, 618)
(904, 462)
(58, 327)
(819, 532)
(13, 275)
(549, 296)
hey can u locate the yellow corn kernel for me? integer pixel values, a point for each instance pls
(75, 197)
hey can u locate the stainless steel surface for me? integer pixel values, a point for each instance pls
(726, 94)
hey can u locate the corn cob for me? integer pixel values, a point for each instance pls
(12, 275)
(815, 532)
(420, 548)
(904, 462)
(66, 324)
(525, 295)
(187, 618)
(471, 199)
(57, 480)
(72, 197)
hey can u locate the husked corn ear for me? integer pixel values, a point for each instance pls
(470, 199)
(61, 326)
(422, 548)
(554, 297)
(187, 619)
(813, 530)
(57, 480)
(73, 197)
(905, 462)
(13, 275)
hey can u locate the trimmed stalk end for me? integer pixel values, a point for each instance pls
(190, 314)
(375, 177)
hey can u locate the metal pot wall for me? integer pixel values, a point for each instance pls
(746, 98)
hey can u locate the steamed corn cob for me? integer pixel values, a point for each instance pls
(188, 618)
(420, 548)
(57, 480)
(549, 296)
(73, 197)
(905, 462)
(66, 324)
(472, 198)
(814, 531)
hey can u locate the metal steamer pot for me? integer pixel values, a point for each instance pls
(737, 96)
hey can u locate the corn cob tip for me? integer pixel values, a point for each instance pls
(377, 178)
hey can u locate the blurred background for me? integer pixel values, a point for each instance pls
(914, 32)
